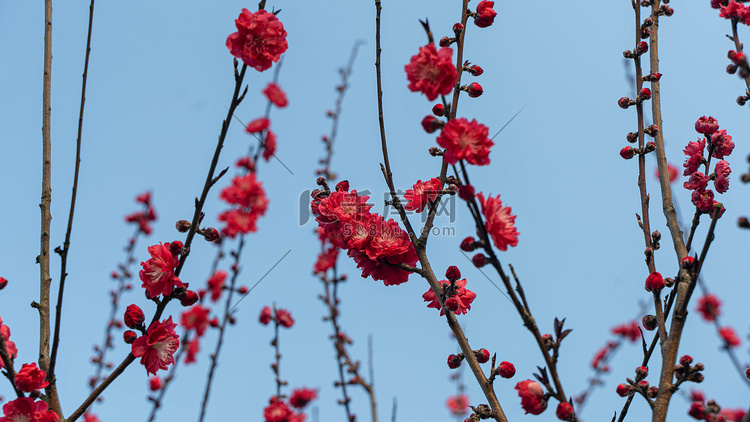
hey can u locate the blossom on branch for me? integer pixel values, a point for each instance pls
(276, 95)
(460, 299)
(465, 140)
(532, 397)
(158, 275)
(25, 409)
(432, 72)
(157, 347)
(30, 378)
(260, 39)
(708, 306)
(458, 405)
(498, 222)
(421, 194)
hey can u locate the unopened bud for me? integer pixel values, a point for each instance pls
(650, 146)
(182, 226)
(479, 260)
(129, 336)
(457, 28)
(645, 93)
(649, 322)
(211, 234)
(641, 371)
(446, 41)
(454, 361)
(669, 282)
(642, 47)
(482, 355)
(469, 244)
(474, 90)
(653, 391)
(627, 153)
(438, 110)
(430, 124)
(435, 151)
(452, 273)
(625, 102)
(632, 137)
(686, 360)
(651, 130)
(743, 223)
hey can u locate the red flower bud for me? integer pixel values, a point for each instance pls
(564, 411)
(474, 90)
(438, 110)
(624, 390)
(211, 234)
(653, 391)
(686, 360)
(454, 361)
(129, 336)
(466, 192)
(452, 304)
(642, 47)
(457, 28)
(688, 263)
(627, 153)
(706, 125)
(643, 385)
(189, 298)
(641, 371)
(176, 247)
(3, 283)
(475, 70)
(645, 94)
(479, 260)
(482, 355)
(747, 373)
(452, 273)
(654, 282)
(506, 370)
(469, 244)
(625, 102)
(446, 41)
(654, 77)
(134, 316)
(430, 124)
(649, 322)
(182, 226)
(342, 186)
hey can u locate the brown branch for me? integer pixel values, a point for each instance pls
(66, 244)
(10, 373)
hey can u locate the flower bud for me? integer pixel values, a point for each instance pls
(446, 41)
(134, 317)
(129, 336)
(651, 130)
(482, 355)
(642, 47)
(741, 100)
(654, 77)
(645, 33)
(647, 22)
(706, 125)
(506, 370)
(564, 411)
(438, 110)
(549, 343)
(686, 360)
(643, 385)
(747, 373)
(624, 390)
(454, 361)
(435, 151)
(731, 68)
(430, 124)
(650, 146)
(649, 322)
(653, 391)
(669, 282)
(457, 28)
(641, 371)
(342, 186)
(474, 90)
(211, 234)
(688, 263)
(452, 304)
(625, 102)
(696, 377)
(655, 236)
(475, 70)
(627, 153)
(265, 315)
(699, 366)
(452, 273)
(176, 247)
(468, 244)
(666, 10)
(3, 283)
(479, 260)
(466, 192)
(182, 226)
(645, 93)
(654, 282)
(189, 298)
(632, 137)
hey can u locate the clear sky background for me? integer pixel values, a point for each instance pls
(159, 85)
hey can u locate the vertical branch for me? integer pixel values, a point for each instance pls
(45, 205)
(66, 244)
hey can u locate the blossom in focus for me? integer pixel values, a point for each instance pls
(465, 140)
(158, 275)
(30, 378)
(421, 194)
(532, 397)
(654, 282)
(216, 284)
(498, 222)
(276, 95)
(462, 297)
(706, 125)
(729, 336)
(25, 409)
(564, 411)
(485, 15)
(260, 39)
(157, 347)
(432, 72)
(708, 306)
(722, 171)
(301, 397)
(134, 316)
(458, 405)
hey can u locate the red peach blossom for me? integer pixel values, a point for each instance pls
(532, 397)
(697, 181)
(628, 330)
(265, 315)
(301, 397)
(722, 172)
(258, 125)
(463, 297)
(723, 144)
(195, 319)
(654, 282)
(284, 318)
(216, 284)
(260, 39)
(465, 140)
(729, 336)
(706, 125)
(30, 378)
(276, 95)
(157, 347)
(703, 199)
(498, 222)
(432, 72)
(25, 409)
(269, 145)
(157, 274)
(421, 194)
(697, 410)
(708, 306)
(134, 316)
(485, 15)
(458, 405)
(326, 260)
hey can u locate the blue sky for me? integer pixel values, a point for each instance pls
(160, 81)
